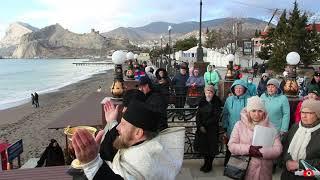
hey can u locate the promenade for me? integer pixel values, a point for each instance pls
(191, 171)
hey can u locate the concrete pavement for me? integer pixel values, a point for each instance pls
(191, 171)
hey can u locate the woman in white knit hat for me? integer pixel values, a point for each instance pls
(240, 143)
(302, 141)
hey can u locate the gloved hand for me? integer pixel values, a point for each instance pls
(254, 151)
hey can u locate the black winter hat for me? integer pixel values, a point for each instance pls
(140, 116)
(145, 80)
(132, 94)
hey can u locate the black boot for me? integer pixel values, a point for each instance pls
(203, 167)
(227, 157)
(208, 166)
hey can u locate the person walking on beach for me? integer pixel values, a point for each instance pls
(32, 100)
(36, 99)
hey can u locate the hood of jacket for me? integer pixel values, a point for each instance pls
(278, 93)
(208, 68)
(239, 82)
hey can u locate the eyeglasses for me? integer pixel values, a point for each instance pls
(307, 113)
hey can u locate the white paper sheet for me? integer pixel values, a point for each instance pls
(263, 136)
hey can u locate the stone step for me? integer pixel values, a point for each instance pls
(31, 163)
(184, 174)
(192, 167)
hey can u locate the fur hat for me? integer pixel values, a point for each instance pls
(274, 82)
(255, 103)
(140, 116)
(265, 74)
(209, 88)
(313, 105)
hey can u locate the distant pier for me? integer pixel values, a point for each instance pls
(92, 63)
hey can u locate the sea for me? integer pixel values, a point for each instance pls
(21, 77)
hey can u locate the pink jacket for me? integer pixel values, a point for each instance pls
(239, 144)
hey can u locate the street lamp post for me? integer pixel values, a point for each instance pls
(229, 74)
(161, 38)
(117, 88)
(169, 30)
(130, 72)
(200, 64)
(135, 57)
(199, 49)
(291, 87)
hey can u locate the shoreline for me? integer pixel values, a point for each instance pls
(26, 100)
(28, 123)
(21, 96)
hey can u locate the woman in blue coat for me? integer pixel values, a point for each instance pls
(277, 106)
(232, 108)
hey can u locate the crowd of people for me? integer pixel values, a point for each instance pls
(137, 142)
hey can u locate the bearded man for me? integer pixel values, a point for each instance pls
(142, 152)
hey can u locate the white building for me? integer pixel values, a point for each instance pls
(190, 55)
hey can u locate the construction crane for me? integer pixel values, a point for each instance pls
(268, 25)
(274, 12)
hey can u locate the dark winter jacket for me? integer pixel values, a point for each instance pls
(52, 156)
(163, 84)
(107, 151)
(312, 153)
(179, 83)
(262, 87)
(158, 103)
(208, 116)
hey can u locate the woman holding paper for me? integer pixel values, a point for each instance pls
(240, 143)
(302, 141)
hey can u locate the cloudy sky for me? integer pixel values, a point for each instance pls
(104, 15)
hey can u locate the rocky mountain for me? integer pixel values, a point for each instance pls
(56, 42)
(12, 37)
(154, 30)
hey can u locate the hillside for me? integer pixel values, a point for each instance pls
(12, 37)
(154, 30)
(56, 42)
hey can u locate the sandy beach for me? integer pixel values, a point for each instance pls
(28, 123)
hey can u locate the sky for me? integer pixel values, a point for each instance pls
(81, 16)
